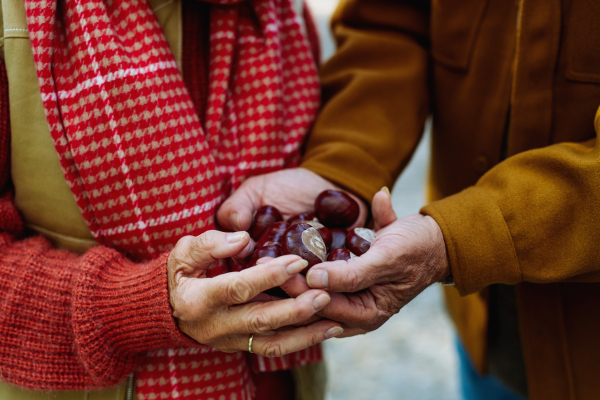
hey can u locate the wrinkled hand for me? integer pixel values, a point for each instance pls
(291, 191)
(406, 257)
(222, 312)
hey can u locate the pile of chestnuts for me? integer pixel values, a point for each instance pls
(316, 237)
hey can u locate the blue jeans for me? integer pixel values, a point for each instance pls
(477, 387)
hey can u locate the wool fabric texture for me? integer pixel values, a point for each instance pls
(141, 167)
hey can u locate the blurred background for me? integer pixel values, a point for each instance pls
(412, 356)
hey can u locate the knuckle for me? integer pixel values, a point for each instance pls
(274, 349)
(238, 290)
(181, 248)
(226, 345)
(204, 241)
(313, 340)
(259, 322)
(272, 276)
(354, 279)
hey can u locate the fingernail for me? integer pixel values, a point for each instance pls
(320, 301)
(385, 189)
(333, 332)
(235, 237)
(295, 267)
(317, 279)
(234, 220)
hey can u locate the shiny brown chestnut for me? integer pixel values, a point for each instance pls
(238, 264)
(296, 219)
(336, 209)
(340, 254)
(359, 240)
(265, 251)
(265, 216)
(324, 231)
(305, 241)
(273, 235)
(338, 238)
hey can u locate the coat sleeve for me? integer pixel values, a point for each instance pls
(375, 93)
(69, 321)
(535, 217)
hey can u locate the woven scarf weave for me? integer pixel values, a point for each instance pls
(141, 168)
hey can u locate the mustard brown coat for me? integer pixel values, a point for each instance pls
(503, 79)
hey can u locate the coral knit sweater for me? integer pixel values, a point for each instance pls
(80, 321)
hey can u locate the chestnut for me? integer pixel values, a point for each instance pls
(338, 238)
(268, 251)
(340, 254)
(359, 240)
(296, 219)
(265, 216)
(305, 241)
(324, 231)
(273, 235)
(238, 264)
(336, 209)
(265, 251)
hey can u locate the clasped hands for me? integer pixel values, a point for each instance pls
(340, 298)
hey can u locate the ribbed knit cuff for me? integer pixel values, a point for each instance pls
(349, 167)
(478, 242)
(121, 309)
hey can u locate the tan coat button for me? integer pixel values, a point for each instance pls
(481, 164)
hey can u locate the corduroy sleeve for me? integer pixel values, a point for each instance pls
(374, 93)
(532, 218)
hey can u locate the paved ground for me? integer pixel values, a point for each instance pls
(412, 356)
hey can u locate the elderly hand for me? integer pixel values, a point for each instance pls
(406, 257)
(291, 191)
(222, 312)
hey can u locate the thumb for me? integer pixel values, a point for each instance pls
(236, 213)
(342, 276)
(194, 255)
(381, 207)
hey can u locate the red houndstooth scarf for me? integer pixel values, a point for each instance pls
(143, 171)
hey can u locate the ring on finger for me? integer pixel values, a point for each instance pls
(250, 343)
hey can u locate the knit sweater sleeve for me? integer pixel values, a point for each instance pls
(74, 322)
(71, 321)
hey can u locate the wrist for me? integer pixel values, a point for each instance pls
(440, 255)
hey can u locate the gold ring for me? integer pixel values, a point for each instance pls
(250, 343)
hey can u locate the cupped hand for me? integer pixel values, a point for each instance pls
(291, 191)
(224, 311)
(407, 256)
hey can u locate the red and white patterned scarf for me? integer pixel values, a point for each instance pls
(143, 171)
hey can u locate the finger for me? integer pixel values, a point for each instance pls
(192, 254)
(263, 298)
(352, 310)
(263, 317)
(292, 340)
(381, 207)
(307, 322)
(350, 332)
(240, 287)
(295, 286)
(246, 251)
(237, 211)
(264, 260)
(342, 276)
